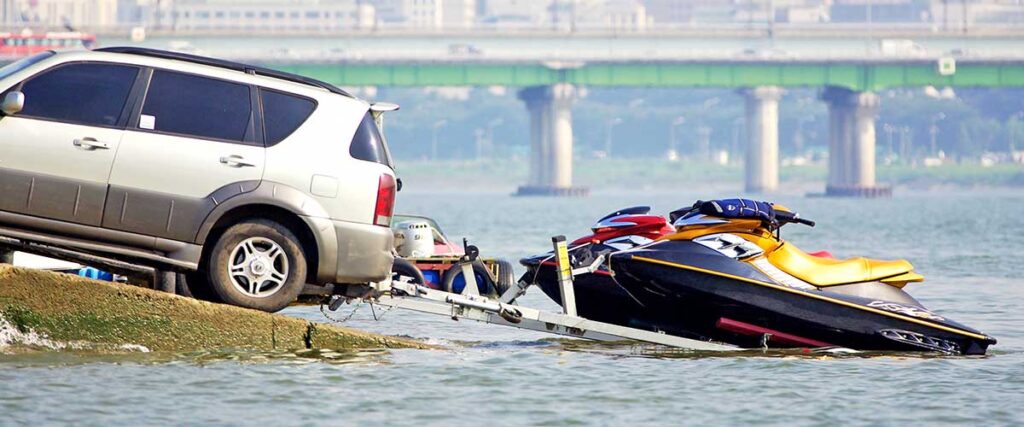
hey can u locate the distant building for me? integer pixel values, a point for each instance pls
(566, 15)
(880, 10)
(409, 13)
(517, 12)
(8, 12)
(955, 15)
(458, 14)
(71, 14)
(389, 11)
(669, 12)
(803, 14)
(423, 13)
(672, 11)
(604, 14)
(300, 15)
(138, 12)
(795, 11)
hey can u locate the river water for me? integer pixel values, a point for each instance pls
(967, 244)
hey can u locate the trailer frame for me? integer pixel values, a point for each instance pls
(503, 310)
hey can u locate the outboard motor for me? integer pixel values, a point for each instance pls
(414, 239)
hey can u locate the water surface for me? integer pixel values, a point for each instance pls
(965, 242)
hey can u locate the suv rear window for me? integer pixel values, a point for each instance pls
(368, 143)
(184, 104)
(88, 94)
(283, 114)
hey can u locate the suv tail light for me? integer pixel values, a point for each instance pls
(385, 201)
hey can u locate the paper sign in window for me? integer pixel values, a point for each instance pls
(147, 122)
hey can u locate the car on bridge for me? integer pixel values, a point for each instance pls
(246, 183)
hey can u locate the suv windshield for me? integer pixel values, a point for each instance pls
(23, 63)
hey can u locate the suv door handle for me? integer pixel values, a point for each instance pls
(235, 161)
(90, 144)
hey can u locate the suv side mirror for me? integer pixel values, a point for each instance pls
(13, 103)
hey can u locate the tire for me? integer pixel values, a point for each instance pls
(165, 281)
(506, 276)
(257, 264)
(182, 287)
(485, 284)
(195, 285)
(404, 267)
(6, 256)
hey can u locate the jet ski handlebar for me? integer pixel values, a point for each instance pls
(785, 217)
(773, 216)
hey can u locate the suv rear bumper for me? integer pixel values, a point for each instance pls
(353, 253)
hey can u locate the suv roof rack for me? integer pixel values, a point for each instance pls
(220, 63)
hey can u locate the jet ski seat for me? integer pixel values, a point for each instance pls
(823, 272)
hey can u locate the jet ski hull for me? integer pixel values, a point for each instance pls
(598, 297)
(697, 291)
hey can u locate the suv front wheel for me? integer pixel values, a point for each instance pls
(257, 264)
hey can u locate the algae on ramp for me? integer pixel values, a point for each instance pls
(69, 308)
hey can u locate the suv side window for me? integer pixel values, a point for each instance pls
(90, 94)
(189, 105)
(283, 114)
(368, 143)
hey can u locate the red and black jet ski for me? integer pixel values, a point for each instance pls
(726, 275)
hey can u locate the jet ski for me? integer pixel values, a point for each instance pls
(725, 274)
(598, 297)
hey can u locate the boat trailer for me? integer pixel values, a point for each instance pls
(470, 304)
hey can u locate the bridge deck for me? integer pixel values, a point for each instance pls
(861, 76)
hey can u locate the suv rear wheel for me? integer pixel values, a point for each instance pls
(257, 264)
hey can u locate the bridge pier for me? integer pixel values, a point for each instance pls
(762, 166)
(550, 109)
(851, 167)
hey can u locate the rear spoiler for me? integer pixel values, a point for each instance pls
(377, 109)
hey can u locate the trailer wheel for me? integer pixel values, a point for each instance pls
(257, 264)
(404, 267)
(506, 276)
(454, 282)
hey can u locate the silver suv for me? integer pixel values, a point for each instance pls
(247, 181)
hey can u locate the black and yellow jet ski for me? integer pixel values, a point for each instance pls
(726, 275)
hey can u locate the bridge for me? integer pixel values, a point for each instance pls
(549, 69)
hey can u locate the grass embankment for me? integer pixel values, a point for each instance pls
(70, 309)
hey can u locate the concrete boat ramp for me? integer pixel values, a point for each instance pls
(62, 308)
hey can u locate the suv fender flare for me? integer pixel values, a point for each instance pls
(304, 207)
